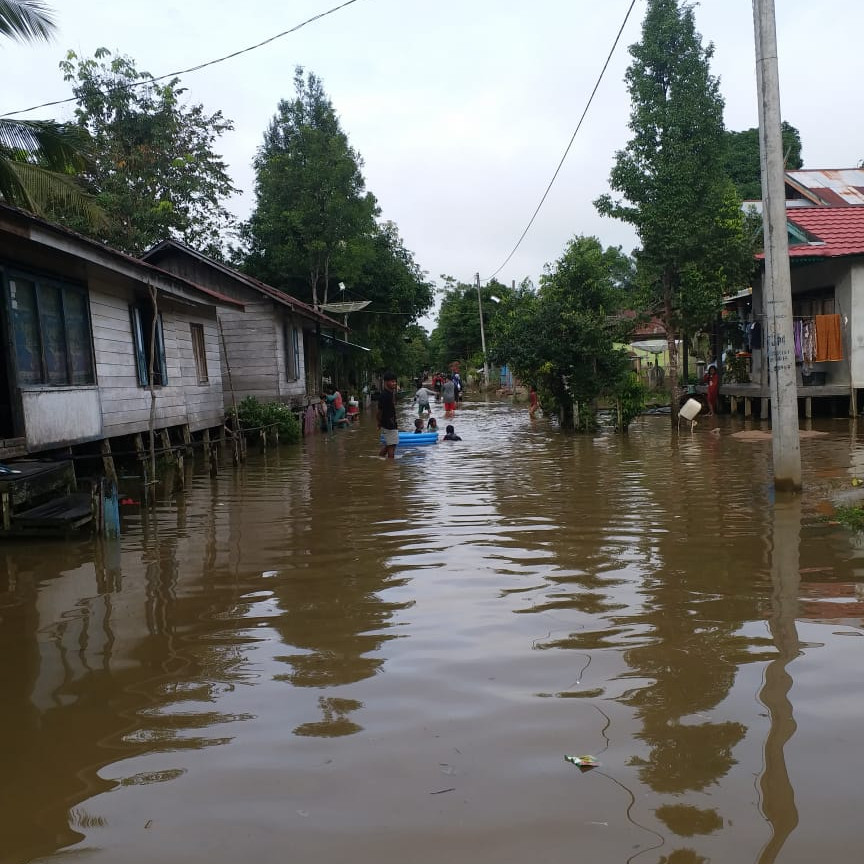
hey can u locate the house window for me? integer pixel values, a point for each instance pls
(292, 352)
(51, 331)
(199, 352)
(143, 337)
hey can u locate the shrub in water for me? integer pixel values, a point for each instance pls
(272, 416)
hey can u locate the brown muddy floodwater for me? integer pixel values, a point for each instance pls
(321, 657)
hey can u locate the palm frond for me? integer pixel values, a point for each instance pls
(26, 20)
(34, 188)
(56, 146)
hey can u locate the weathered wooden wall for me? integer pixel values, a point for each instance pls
(255, 338)
(125, 404)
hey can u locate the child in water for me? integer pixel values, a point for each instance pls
(418, 426)
(432, 425)
(451, 435)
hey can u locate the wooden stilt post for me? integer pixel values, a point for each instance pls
(180, 472)
(211, 454)
(110, 509)
(108, 461)
(167, 452)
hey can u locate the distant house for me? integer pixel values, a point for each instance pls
(824, 187)
(271, 343)
(826, 253)
(821, 187)
(76, 360)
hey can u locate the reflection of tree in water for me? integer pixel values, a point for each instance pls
(683, 856)
(686, 821)
(110, 674)
(333, 616)
(687, 757)
(336, 630)
(335, 722)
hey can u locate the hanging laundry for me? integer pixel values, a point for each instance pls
(755, 336)
(809, 344)
(798, 333)
(829, 338)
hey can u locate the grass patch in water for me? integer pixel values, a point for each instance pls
(851, 517)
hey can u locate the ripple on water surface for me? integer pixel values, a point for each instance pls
(325, 655)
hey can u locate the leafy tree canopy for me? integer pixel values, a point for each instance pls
(153, 168)
(673, 181)
(456, 336)
(742, 159)
(399, 293)
(313, 217)
(563, 336)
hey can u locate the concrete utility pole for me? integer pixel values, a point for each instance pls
(482, 334)
(777, 284)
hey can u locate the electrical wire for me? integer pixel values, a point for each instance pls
(572, 139)
(231, 56)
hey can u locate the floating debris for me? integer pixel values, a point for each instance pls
(583, 763)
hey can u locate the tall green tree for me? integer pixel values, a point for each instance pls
(563, 337)
(313, 219)
(742, 158)
(38, 158)
(399, 293)
(456, 336)
(153, 170)
(673, 182)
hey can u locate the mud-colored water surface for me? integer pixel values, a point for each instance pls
(323, 657)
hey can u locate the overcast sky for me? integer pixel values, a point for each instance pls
(461, 109)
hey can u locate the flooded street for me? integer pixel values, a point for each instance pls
(323, 657)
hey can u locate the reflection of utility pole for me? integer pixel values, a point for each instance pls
(778, 795)
(482, 334)
(777, 288)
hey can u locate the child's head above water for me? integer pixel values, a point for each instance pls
(418, 425)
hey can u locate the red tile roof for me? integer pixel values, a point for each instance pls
(834, 231)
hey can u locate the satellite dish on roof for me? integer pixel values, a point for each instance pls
(345, 307)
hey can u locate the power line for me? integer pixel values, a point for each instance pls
(572, 138)
(200, 65)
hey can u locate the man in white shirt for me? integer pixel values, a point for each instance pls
(422, 397)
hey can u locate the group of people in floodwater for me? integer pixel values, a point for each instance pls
(447, 388)
(450, 391)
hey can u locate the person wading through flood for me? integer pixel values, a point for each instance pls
(712, 379)
(448, 394)
(387, 417)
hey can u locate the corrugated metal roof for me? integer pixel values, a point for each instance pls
(841, 187)
(48, 228)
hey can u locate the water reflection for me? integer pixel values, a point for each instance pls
(778, 796)
(319, 642)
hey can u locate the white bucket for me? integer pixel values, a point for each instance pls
(690, 409)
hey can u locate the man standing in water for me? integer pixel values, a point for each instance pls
(387, 417)
(448, 394)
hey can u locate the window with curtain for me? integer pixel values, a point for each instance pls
(292, 352)
(51, 331)
(143, 336)
(198, 349)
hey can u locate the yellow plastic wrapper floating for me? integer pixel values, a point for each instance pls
(583, 763)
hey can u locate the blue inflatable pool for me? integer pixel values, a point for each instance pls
(408, 439)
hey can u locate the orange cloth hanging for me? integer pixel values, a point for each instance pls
(829, 338)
